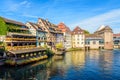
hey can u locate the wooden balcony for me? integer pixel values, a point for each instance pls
(20, 34)
(42, 40)
(51, 40)
(24, 39)
(20, 39)
(20, 47)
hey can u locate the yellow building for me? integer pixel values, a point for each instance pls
(78, 38)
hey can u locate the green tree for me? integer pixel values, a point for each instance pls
(86, 32)
(3, 28)
(59, 45)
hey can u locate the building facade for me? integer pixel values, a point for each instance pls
(94, 42)
(39, 32)
(17, 35)
(78, 38)
(116, 40)
(54, 34)
(107, 34)
(18, 43)
(67, 35)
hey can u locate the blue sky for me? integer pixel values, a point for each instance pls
(88, 14)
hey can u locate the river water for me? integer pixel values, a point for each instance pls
(76, 65)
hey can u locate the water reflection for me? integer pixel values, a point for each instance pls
(37, 71)
(78, 58)
(76, 65)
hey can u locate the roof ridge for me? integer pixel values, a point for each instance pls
(12, 21)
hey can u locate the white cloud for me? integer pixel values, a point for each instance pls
(14, 6)
(30, 16)
(25, 3)
(111, 18)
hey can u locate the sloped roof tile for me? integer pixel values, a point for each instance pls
(13, 21)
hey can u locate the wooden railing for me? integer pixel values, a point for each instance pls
(20, 47)
(51, 40)
(20, 39)
(24, 39)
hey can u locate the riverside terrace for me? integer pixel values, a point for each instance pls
(18, 57)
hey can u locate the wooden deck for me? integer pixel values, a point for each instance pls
(22, 57)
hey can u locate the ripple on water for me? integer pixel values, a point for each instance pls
(77, 65)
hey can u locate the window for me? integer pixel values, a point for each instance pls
(101, 42)
(77, 42)
(88, 42)
(94, 42)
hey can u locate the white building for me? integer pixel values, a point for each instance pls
(78, 38)
(93, 41)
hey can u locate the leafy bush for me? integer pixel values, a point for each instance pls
(49, 52)
(86, 32)
(16, 28)
(3, 28)
(1, 43)
(74, 49)
(59, 45)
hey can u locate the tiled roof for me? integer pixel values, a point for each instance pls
(13, 22)
(36, 26)
(50, 26)
(61, 25)
(78, 30)
(103, 29)
(116, 35)
(47, 23)
(64, 28)
(33, 24)
(100, 28)
(106, 28)
(68, 29)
